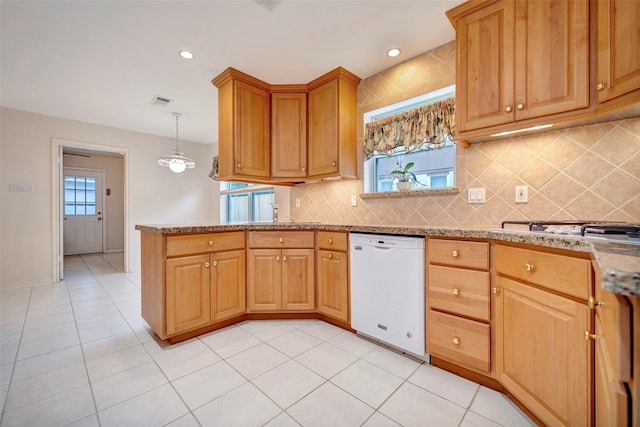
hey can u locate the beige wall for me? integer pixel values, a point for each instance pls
(113, 168)
(590, 172)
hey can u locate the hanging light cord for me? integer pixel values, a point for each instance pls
(177, 117)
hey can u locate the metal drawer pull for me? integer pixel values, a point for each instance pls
(210, 242)
(495, 290)
(456, 340)
(454, 254)
(529, 267)
(589, 336)
(456, 292)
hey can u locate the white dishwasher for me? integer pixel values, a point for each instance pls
(388, 289)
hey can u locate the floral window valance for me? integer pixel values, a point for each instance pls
(432, 124)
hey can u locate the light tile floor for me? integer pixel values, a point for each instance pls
(78, 353)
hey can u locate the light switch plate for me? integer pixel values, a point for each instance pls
(354, 200)
(297, 203)
(476, 195)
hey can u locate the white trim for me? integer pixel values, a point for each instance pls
(57, 252)
(408, 104)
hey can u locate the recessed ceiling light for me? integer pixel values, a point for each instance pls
(393, 52)
(185, 54)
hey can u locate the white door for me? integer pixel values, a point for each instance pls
(82, 212)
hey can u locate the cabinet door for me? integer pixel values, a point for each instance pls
(187, 300)
(289, 135)
(618, 36)
(298, 280)
(228, 284)
(485, 64)
(323, 129)
(545, 361)
(611, 396)
(552, 57)
(264, 278)
(333, 284)
(251, 131)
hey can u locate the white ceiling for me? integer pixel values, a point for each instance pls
(103, 61)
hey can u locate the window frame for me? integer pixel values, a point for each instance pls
(251, 190)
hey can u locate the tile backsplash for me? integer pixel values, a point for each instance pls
(590, 172)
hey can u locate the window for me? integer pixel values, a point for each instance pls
(433, 168)
(246, 202)
(79, 195)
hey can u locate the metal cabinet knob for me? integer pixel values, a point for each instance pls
(456, 340)
(284, 258)
(454, 254)
(304, 169)
(330, 256)
(600, 86)
(495, 290)
(593, 303)
(206, 264)
(330, 241)
(215, 263)
(520, 106)
(239, 166)
(210, 242)
(529, 267)
(589, 336)
(281, 240)
(456, 291)
(508, 109)
(333, 163)
(278, 258)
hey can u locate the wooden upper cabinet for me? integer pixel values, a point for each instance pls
(243, 127)
(333, 125)
(519, 60)
(289, 136)
(618, 42)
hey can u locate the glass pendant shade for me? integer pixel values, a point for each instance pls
(175, 161)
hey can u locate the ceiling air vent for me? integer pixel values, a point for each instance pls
(160, 101)
(268, 4)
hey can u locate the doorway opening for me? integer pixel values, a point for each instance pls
(90, 203)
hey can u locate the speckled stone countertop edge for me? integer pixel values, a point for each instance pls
(609, 257)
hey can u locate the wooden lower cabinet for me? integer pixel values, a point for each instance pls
(280, 279)
(188, 293)
(228, 284)
(544, 359)
(333, 284)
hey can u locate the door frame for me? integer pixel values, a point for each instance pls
(104, 204)
(57, 178)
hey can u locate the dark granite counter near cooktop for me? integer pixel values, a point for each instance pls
(619, 263)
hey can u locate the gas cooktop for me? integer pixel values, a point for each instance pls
(595, 230)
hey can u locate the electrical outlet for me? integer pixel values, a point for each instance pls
(476, 195)
(354, 200)
(297, 203)
(522, 194)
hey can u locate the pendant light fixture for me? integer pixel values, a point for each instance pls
(176, 161)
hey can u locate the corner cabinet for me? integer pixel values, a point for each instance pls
(543, 318)
(333, 275)
(618, 41)
(280, 273)
(243, 127)
(288, 136)
(333, 125)
(192, 281)
(518, 61)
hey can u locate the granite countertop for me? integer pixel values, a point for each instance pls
(619, 264)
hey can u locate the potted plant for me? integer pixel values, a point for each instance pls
(406, 178)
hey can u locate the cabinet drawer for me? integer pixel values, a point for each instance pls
(201, 243)
(464, 292)
(571, 276)
(333, 241)
(281, 239)
(461, 341)
(458, 253)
